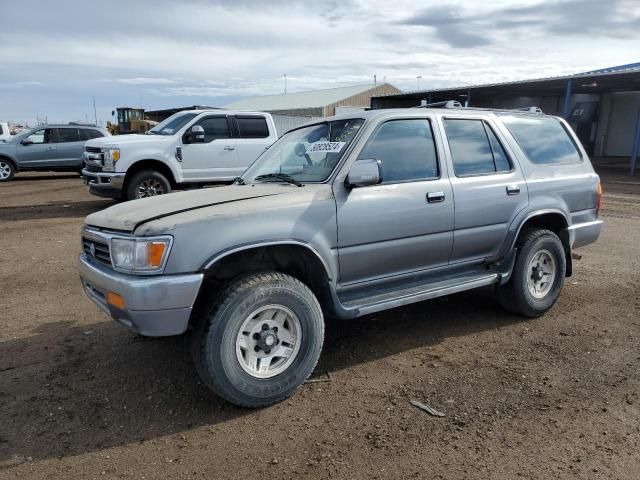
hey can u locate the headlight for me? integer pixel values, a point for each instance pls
(140, 255)
(111, 156)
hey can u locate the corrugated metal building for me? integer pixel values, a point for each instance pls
(603, 106)
(315, 103)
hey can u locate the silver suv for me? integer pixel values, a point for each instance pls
(47, 148)
(346, 217)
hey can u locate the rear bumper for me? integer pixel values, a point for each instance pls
(155, 306)
(104, 184)
(581, 234)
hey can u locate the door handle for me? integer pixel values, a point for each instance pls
(51, 148)
(435, 197)
(229, 148)
(513, 189)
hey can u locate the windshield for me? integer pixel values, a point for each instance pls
(307, 154)
(172, 124)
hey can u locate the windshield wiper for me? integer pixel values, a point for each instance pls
(279, 176)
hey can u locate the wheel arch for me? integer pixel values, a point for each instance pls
(296, 258)
(11, 160)
(550, 219)
(150, 164)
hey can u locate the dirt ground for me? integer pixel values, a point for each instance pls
(555, 397)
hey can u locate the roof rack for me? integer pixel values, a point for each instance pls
(447, 104)
(530, 109)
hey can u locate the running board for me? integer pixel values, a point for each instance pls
(416, 293)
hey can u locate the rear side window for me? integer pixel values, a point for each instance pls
(475, 149)
(88, 134)
(407, 150)
(66, 135)
(214, 128)
(543, 139)
(253, 127)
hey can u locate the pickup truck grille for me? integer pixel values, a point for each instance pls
(96, 250)
(93, 168)
(93, 149)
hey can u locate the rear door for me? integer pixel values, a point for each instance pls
(216, 157)
(70, 148)
(488, 187)
(254, 138)
(38, 149)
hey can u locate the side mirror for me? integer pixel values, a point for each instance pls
(364, 173)
(26, 141)
(196, 134)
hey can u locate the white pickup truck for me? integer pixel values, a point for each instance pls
(5, 134)
(190, 148)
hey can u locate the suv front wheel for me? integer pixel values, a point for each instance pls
(147, 183)
(538, 274)
(7, 170)
(260, 340)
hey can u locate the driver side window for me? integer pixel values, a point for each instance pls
(214, 128)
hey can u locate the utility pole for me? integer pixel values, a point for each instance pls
(418, 78)
(95, 114)
(285, 83)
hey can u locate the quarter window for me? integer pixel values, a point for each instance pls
(214, 128)
(407, 150)
(475, 149)
(543, 139)
(253, 127)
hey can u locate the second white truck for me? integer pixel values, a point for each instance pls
(189, 148)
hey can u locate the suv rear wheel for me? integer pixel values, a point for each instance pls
(538, 274)
(260, 340)
(7, 170)
(147, 183)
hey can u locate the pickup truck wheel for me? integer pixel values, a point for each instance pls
(260, 341)
(147, 183)
(7, 170)
(538, 274)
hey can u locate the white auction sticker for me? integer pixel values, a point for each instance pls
(325, 147)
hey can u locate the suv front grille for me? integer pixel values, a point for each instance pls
(96, 250)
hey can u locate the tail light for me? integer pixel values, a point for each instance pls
(599, 200)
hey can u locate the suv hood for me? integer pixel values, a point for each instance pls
(118, 140)
(128, 216)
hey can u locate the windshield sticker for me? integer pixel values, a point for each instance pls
(325, 147)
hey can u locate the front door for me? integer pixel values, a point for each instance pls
(488, 186)
(38, 149)
(215, 158)
(404, 224)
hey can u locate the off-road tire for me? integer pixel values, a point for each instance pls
(218, 323)
(151, 176)
(515, 296)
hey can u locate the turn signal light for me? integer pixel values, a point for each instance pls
(115, 300)
(155, 253)
(599, 202)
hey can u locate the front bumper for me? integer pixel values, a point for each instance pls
(155, 306)
(581, 234)
(104, 184)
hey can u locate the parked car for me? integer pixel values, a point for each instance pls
(46, 148)
(5, 133)
(346, 217)
(189, 148)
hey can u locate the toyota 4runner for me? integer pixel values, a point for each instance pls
(346, 217)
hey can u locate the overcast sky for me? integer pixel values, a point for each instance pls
(54, 56)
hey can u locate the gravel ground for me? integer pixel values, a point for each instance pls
(554, 397)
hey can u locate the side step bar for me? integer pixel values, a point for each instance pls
(352, 308)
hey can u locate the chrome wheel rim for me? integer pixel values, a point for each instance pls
(541, 274)
(5, 170)
(150, 187)
(268, 341)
